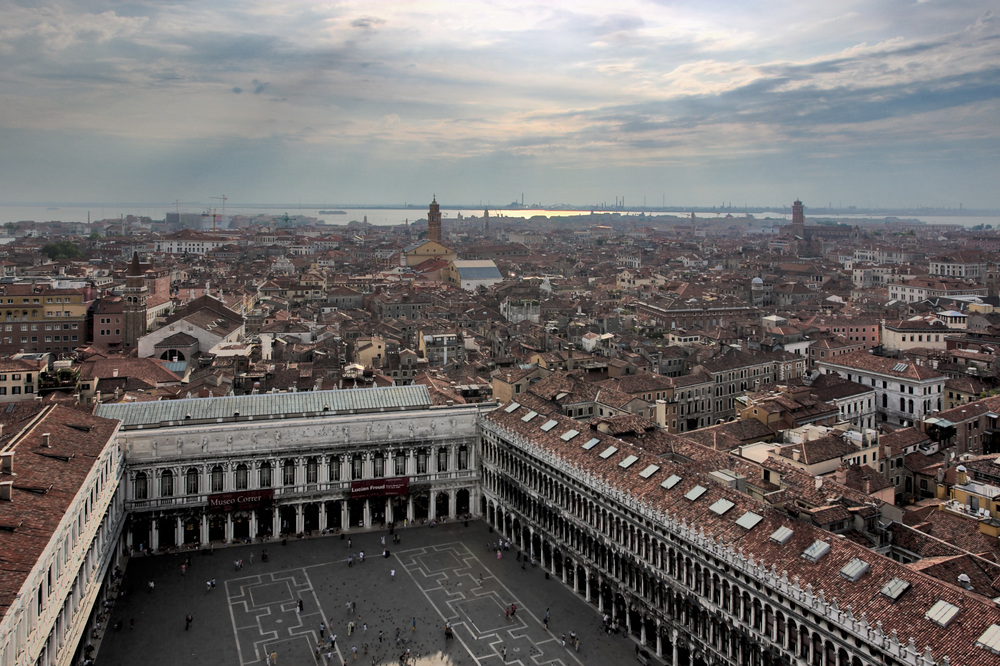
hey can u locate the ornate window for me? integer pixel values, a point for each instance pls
(218, 479)
(192, 481)
(312, 470)
(166, 483)
(335, 468)
(357, 466)
(141, 486)
(422, 461)
(399, 462)
(442, 460)
(265, 475)
(379, 466)
(242, 477)
(463, 457)
(288, 473)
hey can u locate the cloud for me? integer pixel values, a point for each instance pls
(259, 86)
(237, 90)
(367, 22)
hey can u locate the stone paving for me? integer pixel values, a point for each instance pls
(255, 611)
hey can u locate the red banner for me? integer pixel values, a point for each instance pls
(245, 500)
(380, 487)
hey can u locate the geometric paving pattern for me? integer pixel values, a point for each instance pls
(448, 574)
(263, 609)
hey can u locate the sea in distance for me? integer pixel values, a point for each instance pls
(392, 216)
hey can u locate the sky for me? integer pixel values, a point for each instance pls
(879, 102)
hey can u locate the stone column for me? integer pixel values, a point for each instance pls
(432, 509)
(322, 515)
(674, 636)
(409, 509)
(367, 517)
(586, 574)
(229, 527)
(564, 575)
(389, 513)
(345, 515)
(254, 528)
(299, 519)
(204, 528)
(642, 635)
(659, 640)
(155, 541)
(179, 532)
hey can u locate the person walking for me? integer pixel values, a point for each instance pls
(480, 580)
(322, 629)
(350, 627)
(414, 623)
(274, 658)
(184, 569)
(503, 653)
(187, 622)
(251, 559)
(392, 574)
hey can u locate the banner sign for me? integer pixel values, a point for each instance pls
(380, 487)
(245, 500)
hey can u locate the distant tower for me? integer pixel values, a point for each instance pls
(798, 226)
(134, 307)
(694, 225)
(486, 226)
(434, 221)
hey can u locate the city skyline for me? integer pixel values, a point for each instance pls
(890, 104)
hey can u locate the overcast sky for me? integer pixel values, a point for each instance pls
(700, 102)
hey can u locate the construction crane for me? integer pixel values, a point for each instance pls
(223, 198)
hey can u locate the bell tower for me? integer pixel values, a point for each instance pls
(134, 307)
(434, 221)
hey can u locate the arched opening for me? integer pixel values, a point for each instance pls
(241, 524)
(192, 530)
(442, 508)
(166, 528)
(310, 517)
(172, 356)
(216, 527)
(462, 502)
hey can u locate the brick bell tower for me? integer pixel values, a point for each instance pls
(134, 303)
(434, 221)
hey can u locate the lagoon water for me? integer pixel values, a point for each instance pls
(390, 216)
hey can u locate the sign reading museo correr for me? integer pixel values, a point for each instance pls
(380, 487)
(248, 499)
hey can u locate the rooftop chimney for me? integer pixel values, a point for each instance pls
(796, 455)
(45, 440)
(7, 462)
(5, 488)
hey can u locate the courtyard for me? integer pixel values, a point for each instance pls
(255, 611)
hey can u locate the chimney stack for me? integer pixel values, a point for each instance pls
(7, 462)
(45, 440)
(5, 490)
(796, 455)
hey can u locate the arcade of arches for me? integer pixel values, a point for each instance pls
(692, 609)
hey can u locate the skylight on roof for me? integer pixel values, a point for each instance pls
(591, 444)
(942, 613)
(670, 482)
(990, 638)
(628, 462)
(608, 452)
(817, 550)
(569, 434)
(549, 425)
(900, 367)
(894, 588)
(530, 415)
(649, 471)
(511, 407)
(696, 492)
(749, 520)
(854, 569)
(782, 535)
(721, 506)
